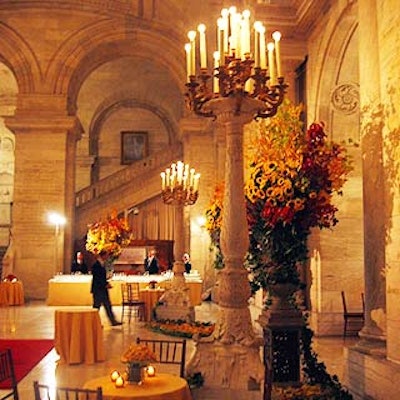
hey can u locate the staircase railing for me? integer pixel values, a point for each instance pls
(126, 175)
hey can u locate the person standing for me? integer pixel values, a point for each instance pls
(186, 261)
(100, 287)
(79, 265)
(151, 263)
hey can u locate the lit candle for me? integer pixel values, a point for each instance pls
(233, 26)
(191, 178)
(167, 177)
(203, 50)
(263, 54)
(216, 66)
(220, 37)
(245, 32)
(192, 38)
(114, 375)
(225, 18)
(271, 63)
(277, 38)
(188, 48)
(151, 371)
(257, 26)
(179, 172)
(196, 182)
(162, 180)
(119, 382)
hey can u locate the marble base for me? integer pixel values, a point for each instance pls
(175, 312)
(231, 366)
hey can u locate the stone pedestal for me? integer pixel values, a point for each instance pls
(176, 301)
(282, 326)
(231, 357)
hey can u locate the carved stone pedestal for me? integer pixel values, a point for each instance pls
(176, 301)
(227, 366)
(282, 325)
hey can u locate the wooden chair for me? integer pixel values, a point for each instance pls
(131, 300)
(45, 392)
(353, 320)
(7, 375)
(168, 351)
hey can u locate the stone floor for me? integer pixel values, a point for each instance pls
(36, 320)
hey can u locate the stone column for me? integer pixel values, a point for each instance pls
(373, 171)
(44, 182)
(231, 358)
(197, 136)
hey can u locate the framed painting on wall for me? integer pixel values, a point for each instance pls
(133, 146)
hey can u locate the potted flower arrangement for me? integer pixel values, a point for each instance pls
(110, 235)
(137, 356)
(292, 180)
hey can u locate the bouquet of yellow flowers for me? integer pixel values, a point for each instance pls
(110, 235)
(138, 353)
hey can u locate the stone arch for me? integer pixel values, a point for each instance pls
(20, 58)
(104, 41)
(113, 105)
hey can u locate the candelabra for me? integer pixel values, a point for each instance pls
(180, 185)
(238, 72)
(243, 86)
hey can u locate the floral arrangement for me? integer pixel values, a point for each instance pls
(214, 222)
(137, 353)
(293, 177)
(110, 235)
(182, 328)
(291, 182)
(10, 278)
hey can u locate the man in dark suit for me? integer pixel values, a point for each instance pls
(100, 287)
(79, 265)
(186, 261)
(151, 263)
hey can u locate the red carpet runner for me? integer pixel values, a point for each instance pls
(26, 354)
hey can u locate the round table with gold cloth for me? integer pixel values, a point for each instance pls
(159, 387)
(78, 336)
(11, 293)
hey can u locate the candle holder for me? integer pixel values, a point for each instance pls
(239, 71)
(150, 371)
(180, 184)
(114, 375)
(119, 382)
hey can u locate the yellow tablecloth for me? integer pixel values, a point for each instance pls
(77, 293)
(11, 293)
(78, 336)
(150, 298)
(160, 387)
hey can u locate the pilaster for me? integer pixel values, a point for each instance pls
(44, 182)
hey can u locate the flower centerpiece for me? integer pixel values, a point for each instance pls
(292, 179)
(137, 357)
(110, 235)
(10, 278)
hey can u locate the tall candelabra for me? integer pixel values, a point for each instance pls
(180, 185)
(246, 83)
(237, 71)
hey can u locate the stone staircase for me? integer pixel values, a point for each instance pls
(124, 189)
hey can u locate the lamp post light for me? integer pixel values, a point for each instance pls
(58, 221)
